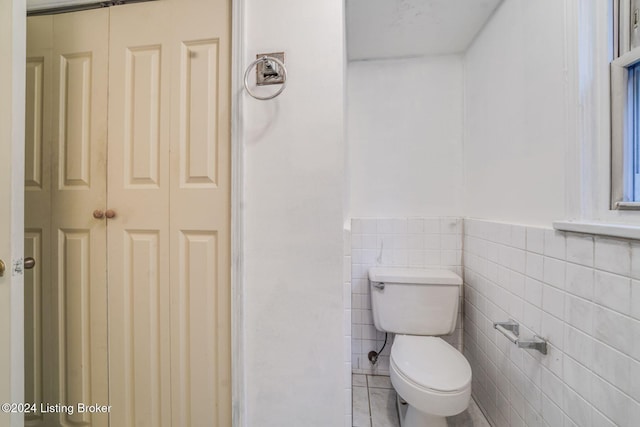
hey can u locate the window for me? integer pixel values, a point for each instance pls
(633, 106)
(625, 106)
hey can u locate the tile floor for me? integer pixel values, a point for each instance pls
(374, 405)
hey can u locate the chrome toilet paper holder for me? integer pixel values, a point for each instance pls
(511, 330)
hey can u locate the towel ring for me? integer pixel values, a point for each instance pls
(283, 70)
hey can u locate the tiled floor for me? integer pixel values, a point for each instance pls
(374, 405)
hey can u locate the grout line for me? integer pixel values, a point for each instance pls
(369, 402)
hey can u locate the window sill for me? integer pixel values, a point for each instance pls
(628, 206)
(599, 228)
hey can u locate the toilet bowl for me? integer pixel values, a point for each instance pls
(432, 380)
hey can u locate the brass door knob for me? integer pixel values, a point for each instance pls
(98, 214)
(110, 213)
(2, 268)
(29, 263)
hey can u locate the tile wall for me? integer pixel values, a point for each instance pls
(580, 292)
(400, 242)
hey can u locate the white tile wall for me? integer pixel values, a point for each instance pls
(401, 242)
(578, 292)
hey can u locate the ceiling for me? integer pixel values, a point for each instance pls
(50, 4)
(380, 29)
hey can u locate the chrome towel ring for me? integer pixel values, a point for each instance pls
(282, 70)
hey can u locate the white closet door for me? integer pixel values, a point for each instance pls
(169, 168)
(37, 236)
(65, 181)
(200, 215)
(166, 252)
(138, 181)
(79, 309)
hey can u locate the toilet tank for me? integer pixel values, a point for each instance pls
(414, 301)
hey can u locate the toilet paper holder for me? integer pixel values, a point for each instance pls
(511, 330)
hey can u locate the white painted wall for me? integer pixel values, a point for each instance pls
(516, 115)
(405, 137)
(293, 213)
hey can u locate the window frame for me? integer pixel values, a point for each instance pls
(621, 113)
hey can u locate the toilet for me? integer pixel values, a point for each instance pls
(431, 378)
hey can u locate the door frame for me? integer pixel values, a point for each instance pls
(13, 44)
(238, 54)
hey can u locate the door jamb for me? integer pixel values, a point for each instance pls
(237, 229)
(15, 67)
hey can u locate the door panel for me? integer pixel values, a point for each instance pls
(141, 133)
(34, 105)
(34, 323)
(169, 96)
(143, 332)
(65, 164)
(74, 320)
(197, 348)
(79, 312)
(199, 116)
(138, 250)
(74, 121)
(199, 238)
(37, 241)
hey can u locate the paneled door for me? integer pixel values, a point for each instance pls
(65, 180)
(37, 233)
(166, 213)
(169, 244)
(80, 70)
(138, 253)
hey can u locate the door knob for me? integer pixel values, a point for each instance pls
(29, 263)
(2, 268)
(98, 214)
(110, 213)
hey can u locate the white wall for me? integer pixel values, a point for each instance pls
(293, 213)
(536, 150)
(404, 127)
(516, 115)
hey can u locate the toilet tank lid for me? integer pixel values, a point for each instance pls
(417, 276)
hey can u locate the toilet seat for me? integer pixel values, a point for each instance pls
(430, 363)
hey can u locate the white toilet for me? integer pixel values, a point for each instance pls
(432, 379)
